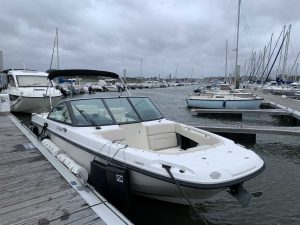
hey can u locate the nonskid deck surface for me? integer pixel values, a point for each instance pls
(31, 189)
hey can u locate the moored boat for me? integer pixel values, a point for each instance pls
(160, 156)
(224, 98)
(29, 91)
(224, 101)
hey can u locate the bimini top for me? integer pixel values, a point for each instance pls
(80, 73)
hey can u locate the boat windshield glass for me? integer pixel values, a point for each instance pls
(61, 114)
(31, 80)
(91, 112)
(146, 109)
(122, 111)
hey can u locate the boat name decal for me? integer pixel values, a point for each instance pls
(61, 129)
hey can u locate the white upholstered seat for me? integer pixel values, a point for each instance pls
(161, 136)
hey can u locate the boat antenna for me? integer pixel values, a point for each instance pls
(49, 83)
(55, 44)
(125, 85)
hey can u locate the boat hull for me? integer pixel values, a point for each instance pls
(224, 104)
(141, 184)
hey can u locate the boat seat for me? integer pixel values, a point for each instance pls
(161, 135)
(162, 141)
(116, 134)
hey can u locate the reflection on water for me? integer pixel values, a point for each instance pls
(280, 182)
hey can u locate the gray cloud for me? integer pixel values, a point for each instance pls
(113, 35)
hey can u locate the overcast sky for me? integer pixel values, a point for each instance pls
(116, 34)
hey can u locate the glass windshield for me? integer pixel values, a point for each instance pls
(146, 109)
(60, 113)
(91, 112)
(122, 110)
(31, 80)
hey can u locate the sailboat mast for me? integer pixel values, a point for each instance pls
(226, 53)
(286, 52)
(176, 73)
(237, 81)
(57, 48)
(141, 67)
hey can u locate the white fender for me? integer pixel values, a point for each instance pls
(73, 167)
(78, 170)
(51, 147)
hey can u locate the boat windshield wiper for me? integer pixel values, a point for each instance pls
(87, 117)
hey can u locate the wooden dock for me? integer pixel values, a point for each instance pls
(279, 102)
(276, 105)
(32, 191)
(278, 112)
(248, 129)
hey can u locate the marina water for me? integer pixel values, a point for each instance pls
(279, 183)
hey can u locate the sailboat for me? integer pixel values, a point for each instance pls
(225, 96)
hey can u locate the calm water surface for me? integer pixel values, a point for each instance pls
(280, 182)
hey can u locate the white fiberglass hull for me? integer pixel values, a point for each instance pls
(223, 103)
(141, 184)
(147, 176)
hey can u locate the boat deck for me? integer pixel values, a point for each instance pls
(32, 191)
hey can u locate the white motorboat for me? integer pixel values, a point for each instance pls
(163, 158)
(29, 91)
(224, 98)
(111, 85)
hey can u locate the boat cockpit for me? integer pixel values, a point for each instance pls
(133, 121)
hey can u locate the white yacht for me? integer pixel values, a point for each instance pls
(163, 158)
(29, 91)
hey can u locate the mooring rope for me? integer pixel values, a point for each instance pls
(168, 169)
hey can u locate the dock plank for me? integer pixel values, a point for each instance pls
(51, 209)
(78, 218)
(31, 190)
(23, 195)
(247, 129)
(242, 111)
(278, 99)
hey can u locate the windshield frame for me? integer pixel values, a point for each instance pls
(75, 122)
(139, 114)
